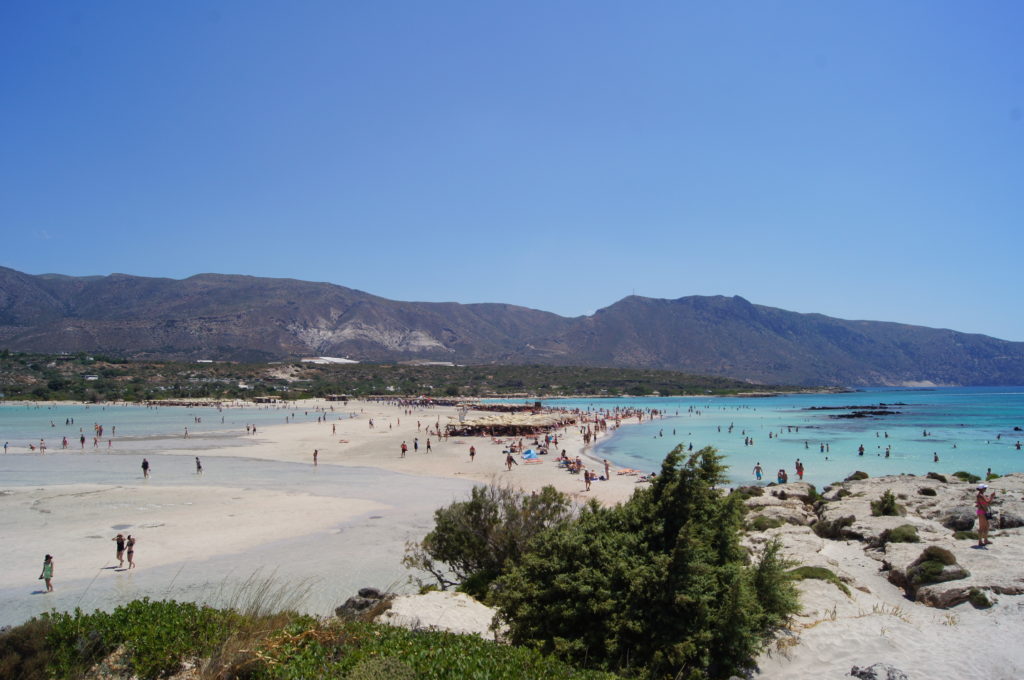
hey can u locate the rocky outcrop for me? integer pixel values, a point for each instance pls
(878, 671)
(943, 568)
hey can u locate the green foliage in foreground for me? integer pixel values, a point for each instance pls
(474, 541)
(820, 574)
(158, 636)
(659, 585)
(346, 650)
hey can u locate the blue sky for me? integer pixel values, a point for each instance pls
(863, 160)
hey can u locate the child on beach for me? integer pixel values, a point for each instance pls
(47, 573)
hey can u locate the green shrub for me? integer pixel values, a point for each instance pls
(843, 493)
(745, 492)
(927, 491)
(659, 585)
(820, 574)
(937, 476)
(23, 651)
(978, 599)
(967, 476)
(934, 552)
(832, 529)
(156, 636)
(857, 476)
(762, 523)
(476, 540)
(990, 476)
(381, 668)
(905, 533)
(930, 566)
(966, 535)
(368, 651)
(886, 506)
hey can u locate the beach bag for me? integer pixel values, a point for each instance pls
(989, 515)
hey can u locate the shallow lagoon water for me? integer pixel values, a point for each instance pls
(969, 428)
(138, 429)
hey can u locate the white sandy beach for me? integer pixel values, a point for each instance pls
(263, 508)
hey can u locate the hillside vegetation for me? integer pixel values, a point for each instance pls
(86, 378)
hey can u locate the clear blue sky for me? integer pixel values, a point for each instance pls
(863, 160)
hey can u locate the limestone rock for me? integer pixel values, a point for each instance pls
(878, 671)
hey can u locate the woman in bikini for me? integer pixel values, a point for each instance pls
(981, 502)
(130, 545)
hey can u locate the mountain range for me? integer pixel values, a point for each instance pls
(245, 318)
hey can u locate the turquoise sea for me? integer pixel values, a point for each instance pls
(969, 428)
(131, 428)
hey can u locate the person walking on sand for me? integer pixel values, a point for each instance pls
(428, 445)
(130, 546)
(405, 447)
(119, 541)
(510, 461)
(472, 453)
(145, 468)
(199, 466)
(981, 503)
(607, 470)
(47, 572)
(316, 453)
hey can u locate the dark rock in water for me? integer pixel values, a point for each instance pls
(866, 414)
(959, 519)
(367, 597)
(878, 671)
(354, 605)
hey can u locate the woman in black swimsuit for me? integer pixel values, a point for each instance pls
(131, 551)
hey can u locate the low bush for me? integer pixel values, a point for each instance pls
(843, 493)
(886, 506)
(967, 476)
(832, 529)
(857, 476)
(966, 535)
(820, 574)
(23, 651)
(367, 651)
(937, 476)
(156, 636)
(930, 566)
(927, 491)
(745, 492)
(905, 533)
(990, 476)
(978, 599)
(762, 523)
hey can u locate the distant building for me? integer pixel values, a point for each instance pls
(327, 360)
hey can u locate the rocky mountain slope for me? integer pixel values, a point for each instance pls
(256, 319)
